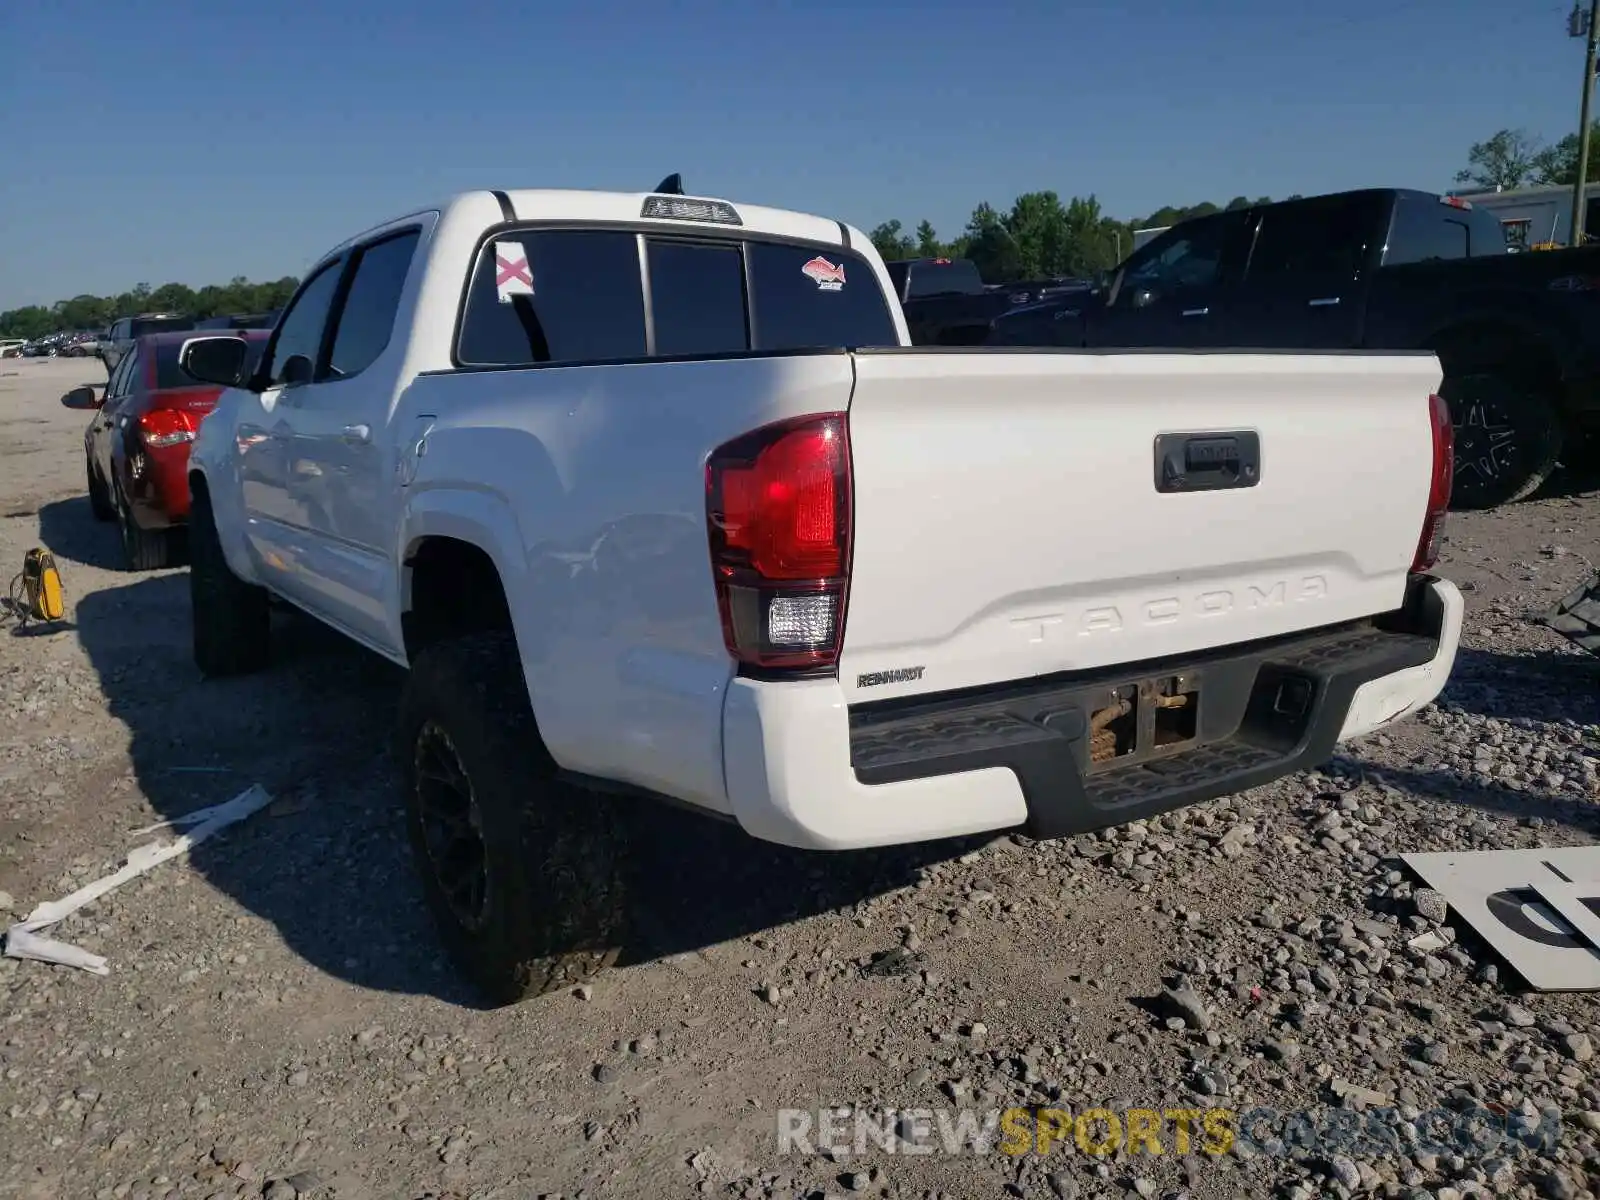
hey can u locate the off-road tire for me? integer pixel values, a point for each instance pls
(230, 619)
(99, 499)
(554, 881)
(142, 549)
(1523, 463)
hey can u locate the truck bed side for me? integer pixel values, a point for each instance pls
(587, 487)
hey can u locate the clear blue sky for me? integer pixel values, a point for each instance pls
(193, 140)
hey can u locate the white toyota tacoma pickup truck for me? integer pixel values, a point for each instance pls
(652, 495)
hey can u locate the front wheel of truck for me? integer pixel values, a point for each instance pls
(1508, 436)
(524, 874)
(230, 618)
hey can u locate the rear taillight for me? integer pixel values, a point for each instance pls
(1444, 463)
(166, 427)
(778, 515)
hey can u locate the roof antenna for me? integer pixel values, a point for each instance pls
(672, 185)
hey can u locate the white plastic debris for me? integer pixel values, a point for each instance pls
(1427, 942)
(21, 939)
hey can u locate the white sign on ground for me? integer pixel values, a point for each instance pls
(1498, 893)
(1578, 904)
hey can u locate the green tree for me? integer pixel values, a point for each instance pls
(86, 311)
(30, 322)
(1094, 241)
(991, 247)
(928, 243)
(172, 297)
(891, 241)
(1558, 164)
(1507, 159)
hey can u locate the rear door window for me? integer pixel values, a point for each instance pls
(366, 320)
(552, 296)
(1324, 238)
(697, 304)
(802, 298)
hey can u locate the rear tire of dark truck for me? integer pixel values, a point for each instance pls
(1509, 437)
(231, 620)
(524, 874)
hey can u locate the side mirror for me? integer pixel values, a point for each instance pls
(83, 397)
(296, 370)
(218, 360)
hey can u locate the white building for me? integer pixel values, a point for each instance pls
(1536, 216)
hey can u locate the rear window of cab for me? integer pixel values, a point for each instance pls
(579, 296)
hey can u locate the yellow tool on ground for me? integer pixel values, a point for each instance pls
(36, 593)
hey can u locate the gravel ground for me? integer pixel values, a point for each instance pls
(278, 1020)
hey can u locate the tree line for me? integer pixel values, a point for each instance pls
(1513, 158)
(1040, 236)
(238, 295)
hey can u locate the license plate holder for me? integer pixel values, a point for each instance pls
(1144, 720)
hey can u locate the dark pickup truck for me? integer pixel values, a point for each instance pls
(1517, 335)
(945, 300)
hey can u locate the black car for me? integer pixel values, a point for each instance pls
(1517, 335)
(126, 330)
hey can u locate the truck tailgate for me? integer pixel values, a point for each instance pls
(1008, 521)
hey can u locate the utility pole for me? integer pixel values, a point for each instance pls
(1587, 26)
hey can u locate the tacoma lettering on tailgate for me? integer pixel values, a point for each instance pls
(1216, 602)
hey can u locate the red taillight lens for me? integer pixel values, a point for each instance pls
(778, 516)
(166, 427)
(1444, 465)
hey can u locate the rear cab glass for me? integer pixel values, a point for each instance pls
(943, 277)
(580, 296)
(144, 325)
(1429, 229)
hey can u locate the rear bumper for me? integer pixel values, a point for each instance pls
(156, 483)
(803, 769)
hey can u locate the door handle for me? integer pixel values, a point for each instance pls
(1324, 302)
(360, 435)
(1195, 312)
(1207, 462)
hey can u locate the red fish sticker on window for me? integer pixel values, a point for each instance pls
(829, 277)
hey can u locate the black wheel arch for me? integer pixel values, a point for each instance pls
(451, 588)
(1496, 345)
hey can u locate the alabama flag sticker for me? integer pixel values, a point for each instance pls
(512, 275)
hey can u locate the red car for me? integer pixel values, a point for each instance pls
(136, 450)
